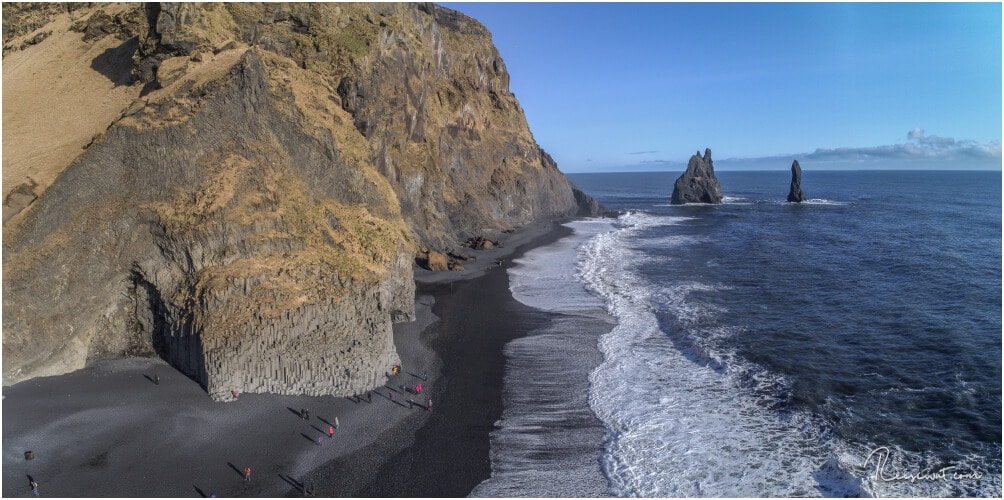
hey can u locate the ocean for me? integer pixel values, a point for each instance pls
(847, 346)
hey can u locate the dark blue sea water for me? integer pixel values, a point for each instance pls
(850, 345)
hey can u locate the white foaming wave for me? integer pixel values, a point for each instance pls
(680, 428)
(534, 451)
(547, 277)
(674, 297)
(823, 201)
(891, 471)
(676, 428)
(638, 220)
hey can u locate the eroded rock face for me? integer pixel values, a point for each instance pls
(795, 194)
(232, 242)
(698, 184)
(253, 216)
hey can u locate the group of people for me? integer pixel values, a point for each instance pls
(417, 388)
(305, 415)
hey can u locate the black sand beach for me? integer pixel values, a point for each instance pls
(109, 430)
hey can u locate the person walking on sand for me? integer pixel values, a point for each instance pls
(319, 438)
(156, 379)
(411, 403)
(336, 422)
(34, 487)
(418, 389)
(247, 474)
(331, 431)
(425, 375)
(430, 405)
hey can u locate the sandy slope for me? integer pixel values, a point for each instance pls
(57, 95)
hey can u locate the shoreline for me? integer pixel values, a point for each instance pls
(132, 437)
(447, 454)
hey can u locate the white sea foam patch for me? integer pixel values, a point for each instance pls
(547, 277)
(548, 441)
(680, 428)
(822, 201)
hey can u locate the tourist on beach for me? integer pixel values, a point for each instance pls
(247, 474)
(156, 379)
(418, 389)
(331, 431)
(390, 394)
(430, 405)
(336, 422)
(234, 394)
(369, 397)
(411, 403)
(319, 438)
(425, 375)
(34, 487)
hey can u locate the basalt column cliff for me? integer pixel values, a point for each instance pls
(242, 188)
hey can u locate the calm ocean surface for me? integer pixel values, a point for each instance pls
(847, 346)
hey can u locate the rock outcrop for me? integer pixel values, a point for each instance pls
(252, 210)
(698, 184)
(795, 194)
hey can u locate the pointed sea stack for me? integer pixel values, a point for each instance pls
(795, 194)
(698, 184)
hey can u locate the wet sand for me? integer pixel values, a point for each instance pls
(109, 430)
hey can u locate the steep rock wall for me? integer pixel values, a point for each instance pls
(253, 215)
(225, 236)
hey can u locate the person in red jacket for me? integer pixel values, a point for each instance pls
(331, 431)
(247, 474)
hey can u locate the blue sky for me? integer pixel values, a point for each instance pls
(642, 86)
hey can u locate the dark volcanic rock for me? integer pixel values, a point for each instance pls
(253, 216)
(698, 184)
(795, 194)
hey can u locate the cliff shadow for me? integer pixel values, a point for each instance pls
(174, 338)
(116, 63)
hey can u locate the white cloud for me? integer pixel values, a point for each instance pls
(919, 146)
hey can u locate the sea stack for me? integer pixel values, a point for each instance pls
(795, 194)
(698, 184)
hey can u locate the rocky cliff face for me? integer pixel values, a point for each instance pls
(795, 194)
(698, 184)
(252, 210)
